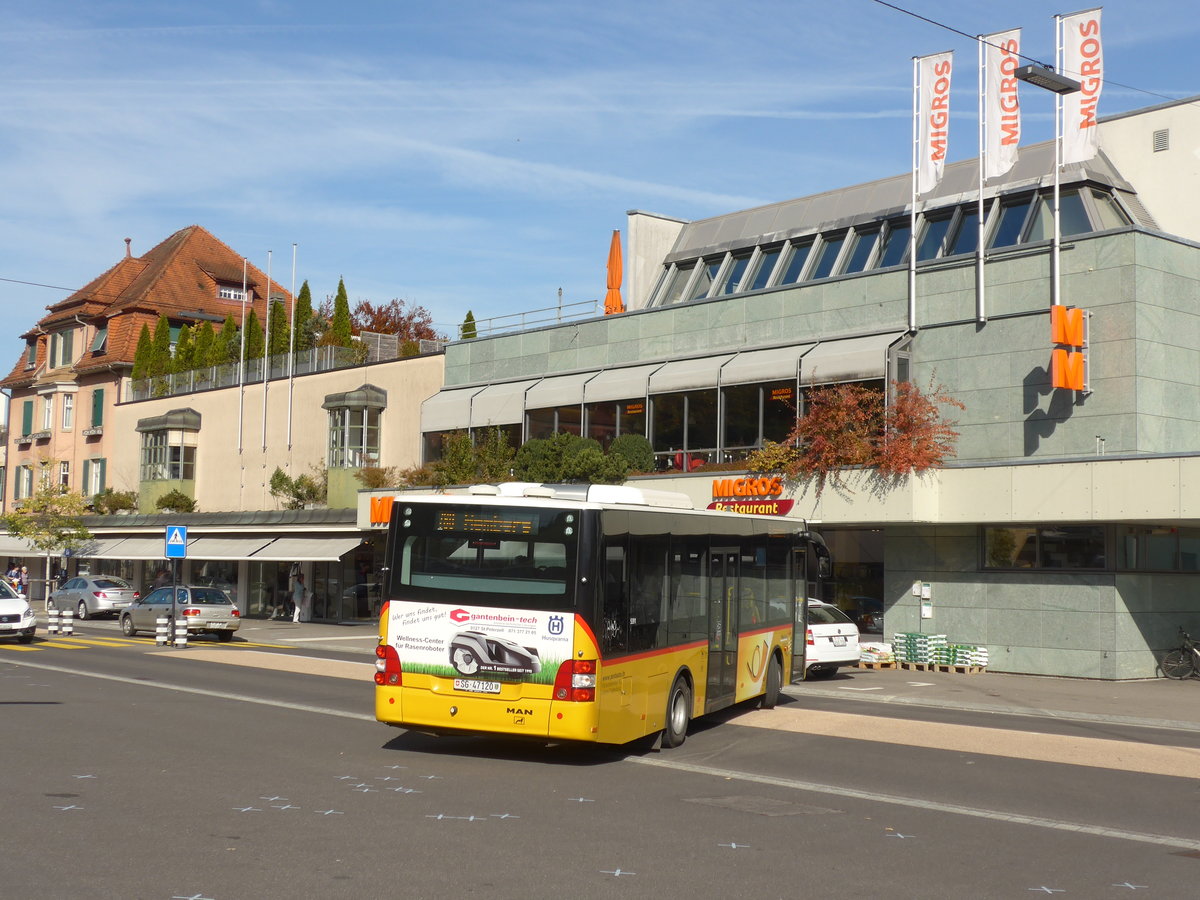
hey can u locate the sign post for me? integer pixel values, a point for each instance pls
(175, 549)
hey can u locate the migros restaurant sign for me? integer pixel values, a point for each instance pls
(757, 496)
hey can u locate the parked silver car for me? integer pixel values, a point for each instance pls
(207, 610)
(93, 595)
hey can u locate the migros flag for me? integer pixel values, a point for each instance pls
(1083, 59)
(933, 136)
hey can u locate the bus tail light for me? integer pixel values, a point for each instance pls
(387, 666)
(808, 637)
(576, 681)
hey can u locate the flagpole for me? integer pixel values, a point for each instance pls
(1055, 253)
(292, 351)
(980, 303)
(242, 360)
(912, 214)
(266, 357)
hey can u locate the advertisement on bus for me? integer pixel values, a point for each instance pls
(480, 646)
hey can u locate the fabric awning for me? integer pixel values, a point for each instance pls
(14, 546)
(103, 548)
(225, 547)
(448, 410)
(300, 549)
(628, 383)
(561, 390)
(144, 547)
(847, 360)
(500, 404)
(764, 365)
(688, 374)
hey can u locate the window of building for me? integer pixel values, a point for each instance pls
(1011, 221)
(1072, 217)
(48, 413)
(794, 264)
(541, 423)
(231, 292)
(862, 250)
(1108, 212)
(895, 244)
(767, 259)
(731, 280)
(100, 341)
(1158, 548)
(168, 455)
(68, 412)
(752, 414)
(831, 249)
(677, 282)
(609, 420)
(684, 428)
(62, 348)
(933, 236)
(31, 353)
(64, 473)
(1045, 547)
(705, 277)
(93, 476)
(3, 481)
(353, 438)
(966, 234)
(23, 482)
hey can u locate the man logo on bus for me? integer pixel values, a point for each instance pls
(555, 626)
(460, 616)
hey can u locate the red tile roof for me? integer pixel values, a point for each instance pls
(179, 278)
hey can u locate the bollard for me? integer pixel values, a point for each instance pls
(160, 631)
(52, 620)
(181, 634)
(68, 622)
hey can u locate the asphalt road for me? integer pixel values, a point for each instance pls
(240, 771)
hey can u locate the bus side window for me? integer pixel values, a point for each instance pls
(688, 591)
(614, 637)
(647, 572)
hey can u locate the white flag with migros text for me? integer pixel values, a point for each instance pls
(1002, 111)
(933, 111)
(1083, 60)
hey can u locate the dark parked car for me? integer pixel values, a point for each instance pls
(867, 613)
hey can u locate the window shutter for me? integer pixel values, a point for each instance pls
(97, 407)
(27, 418)
(87, 478)
(101, 481)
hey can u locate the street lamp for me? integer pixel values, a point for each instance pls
(1051, 80)
(1047, 79)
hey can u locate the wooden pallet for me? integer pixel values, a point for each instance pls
(943, 667)
(918, 667)
(863, 664)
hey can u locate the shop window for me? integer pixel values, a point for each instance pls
(1158, 548)
(1045, 547)
(608, 421)
(684, 429)
(541, 423)
(755, 413)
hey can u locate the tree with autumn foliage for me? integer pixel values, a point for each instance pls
(848, 426)
(408, 323)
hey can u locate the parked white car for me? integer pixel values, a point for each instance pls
(16, 618)
(830, 640)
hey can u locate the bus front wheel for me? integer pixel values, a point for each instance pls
(679, 713)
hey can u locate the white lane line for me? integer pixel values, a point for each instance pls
(920, 803)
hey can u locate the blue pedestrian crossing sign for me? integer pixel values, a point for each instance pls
(176, 542)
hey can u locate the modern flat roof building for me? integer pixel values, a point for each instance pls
(1065, 536)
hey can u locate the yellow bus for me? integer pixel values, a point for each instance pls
(586, 612)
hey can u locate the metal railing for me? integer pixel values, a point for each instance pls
(318, 359)
(534, 318)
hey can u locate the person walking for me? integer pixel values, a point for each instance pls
(24, 580)
(300, 595)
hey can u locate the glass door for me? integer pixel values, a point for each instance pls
(722, 627)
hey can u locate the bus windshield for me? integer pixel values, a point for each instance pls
(489, 556)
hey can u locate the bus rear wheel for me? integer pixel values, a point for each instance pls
(679, 713)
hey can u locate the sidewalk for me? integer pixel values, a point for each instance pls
(1155, 703)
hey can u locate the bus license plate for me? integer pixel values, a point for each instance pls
(478, 687)
(839, 640)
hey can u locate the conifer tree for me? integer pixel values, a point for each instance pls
(468, 330)
(202, 345)
(304, 319)
(184, 351)
(143, 354)
(340, 329)
(160, 358)
(279, 330)
(225, 347)
(254, 336)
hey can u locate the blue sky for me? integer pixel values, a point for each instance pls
(474, 155)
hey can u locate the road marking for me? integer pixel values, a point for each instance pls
(919, 803)
(304, 665)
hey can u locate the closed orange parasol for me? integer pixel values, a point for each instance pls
(612, 300)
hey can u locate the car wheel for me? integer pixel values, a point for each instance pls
(774, 682)
(81, 611)
(224, 636)
(464, 660)
(127, 628)
(679, 713)
(25, 639)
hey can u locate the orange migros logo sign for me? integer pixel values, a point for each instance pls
(381, 510)
(769, 486)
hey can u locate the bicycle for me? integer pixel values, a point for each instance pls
(1184, 662)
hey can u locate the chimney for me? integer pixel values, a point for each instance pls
(128, 241)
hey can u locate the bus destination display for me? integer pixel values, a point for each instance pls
(485, 521)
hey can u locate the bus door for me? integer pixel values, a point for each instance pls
(802, 589)
(722, 627)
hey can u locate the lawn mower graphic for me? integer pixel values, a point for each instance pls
(473, 652)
